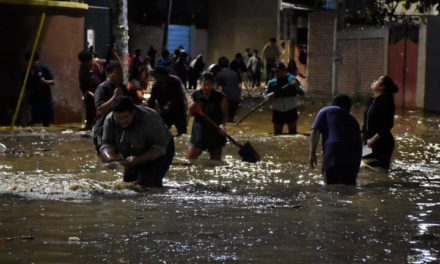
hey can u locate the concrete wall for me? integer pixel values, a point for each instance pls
(320, 53)
(199, 42)
(432, 84)
(144, 36)
(235, 25)
(61, 40)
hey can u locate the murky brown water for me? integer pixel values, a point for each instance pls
(277, 211)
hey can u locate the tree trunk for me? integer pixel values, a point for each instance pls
(119, 22)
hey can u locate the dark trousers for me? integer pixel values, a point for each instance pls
(382, 152)
(232, 110)
(90, 108)
(269, 72)
(256, 79)
(340, 175)
(178, 121)
(150, 174)
(42, 112)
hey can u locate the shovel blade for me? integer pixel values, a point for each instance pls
(248, 153)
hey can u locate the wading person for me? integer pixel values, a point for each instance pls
(228, 82)
(378, 122)
(138, 136)
(169, 100)
(91, 74)
(204, 135)
(39, 85)
(284, 99)
(341, 142)
(105, 95)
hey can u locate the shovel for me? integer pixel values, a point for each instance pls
(246, 152)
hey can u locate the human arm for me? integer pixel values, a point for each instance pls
(224, 108)
(314, 139)
(151, 154)
(105, 107)
(107, 149)
(46, 76)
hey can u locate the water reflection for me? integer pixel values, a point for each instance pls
(278, 210)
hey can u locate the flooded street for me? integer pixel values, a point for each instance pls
(77, 210)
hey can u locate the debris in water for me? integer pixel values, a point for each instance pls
(74, 239)
(16, 238)
(3, 148)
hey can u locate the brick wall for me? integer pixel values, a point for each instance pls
(361, 59)
(320, 52)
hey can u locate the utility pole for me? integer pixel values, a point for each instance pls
(167, 25)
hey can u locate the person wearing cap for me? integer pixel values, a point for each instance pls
(283, 90)
(214, 105)
(378, 122)
(341, 142)
(169, 100)
(105, 95)
(138, 139)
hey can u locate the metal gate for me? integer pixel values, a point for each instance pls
(179, 36)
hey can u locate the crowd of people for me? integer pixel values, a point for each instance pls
(131, 122)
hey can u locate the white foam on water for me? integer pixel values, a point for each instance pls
(59, 186)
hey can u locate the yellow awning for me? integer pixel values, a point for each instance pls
(47, 3)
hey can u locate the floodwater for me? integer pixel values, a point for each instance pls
(76, 210)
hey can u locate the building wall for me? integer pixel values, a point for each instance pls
(144, 36)
(235, 25)
(361, 59)
(61, 40)
(432, 90)
(320, 53)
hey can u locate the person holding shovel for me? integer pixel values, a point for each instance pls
(212, 103)
(283, 90)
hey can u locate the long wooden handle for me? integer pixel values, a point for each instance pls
(255, 108)
(216, 126)
(261, 104)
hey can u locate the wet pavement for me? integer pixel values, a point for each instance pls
(53, 189)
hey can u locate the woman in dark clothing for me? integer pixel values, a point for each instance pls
(204, 135)
(379, 120)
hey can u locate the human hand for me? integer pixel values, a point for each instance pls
(269, 95)
(371, 143)
(130, 161)
(313, 161)
(222, 129)
(117, 93)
